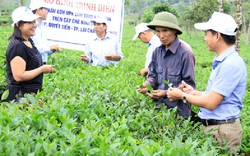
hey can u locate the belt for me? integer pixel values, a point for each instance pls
(217, 122)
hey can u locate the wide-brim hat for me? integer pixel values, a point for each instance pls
(165, 19)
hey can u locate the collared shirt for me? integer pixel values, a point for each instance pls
(228, 78)
(153, 43)
(41, 42)
(173, 65)
(97, 48)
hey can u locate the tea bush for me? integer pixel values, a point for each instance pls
(86, 110)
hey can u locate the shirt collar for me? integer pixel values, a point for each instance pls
(39, 24)
(106, 37)
(152, 39)
(218, 59)
(174, 45)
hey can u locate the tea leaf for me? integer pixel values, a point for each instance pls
(31, 98)
(5, 95)
(150, 89)
(167, 83)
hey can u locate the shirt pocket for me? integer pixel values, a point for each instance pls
(174, 76)
(159, 72)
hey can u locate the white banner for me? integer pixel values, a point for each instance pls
(68, 22)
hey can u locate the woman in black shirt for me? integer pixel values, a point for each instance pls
(24, 62)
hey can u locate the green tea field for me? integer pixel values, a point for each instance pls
(87, 110)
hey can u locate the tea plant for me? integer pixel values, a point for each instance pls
(86, 110)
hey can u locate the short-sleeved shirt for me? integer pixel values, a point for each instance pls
(228, 78)
(33, 60)
(97, 48)
(174, 64)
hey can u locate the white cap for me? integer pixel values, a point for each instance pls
(219, 22)
(23, 13)
(140, 28)
(100, 20)
(36, 4)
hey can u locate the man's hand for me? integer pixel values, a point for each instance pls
(55, 48)
(112, 57)
(157, 94)
(174, 94)
(109, 57)
(143, 89)
(84, 58)
(144, 72)
(186, 88)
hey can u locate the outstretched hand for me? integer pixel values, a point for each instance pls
(109, 57)
(48, 69)
(174, 94)
(157, 94)
(186, 88)
(84, 58)
(55, 48)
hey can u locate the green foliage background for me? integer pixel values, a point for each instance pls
(156, 8)
(86, 110)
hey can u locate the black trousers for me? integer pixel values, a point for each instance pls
(16, 92)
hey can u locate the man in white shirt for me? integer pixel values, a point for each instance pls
(40, 39)
(104, 48)
(146, 35)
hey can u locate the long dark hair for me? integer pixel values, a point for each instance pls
(17, 34)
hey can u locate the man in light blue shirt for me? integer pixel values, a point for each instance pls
(228, 79)
(222, 101)
(104, 48)
(39, 8)
(146, 35)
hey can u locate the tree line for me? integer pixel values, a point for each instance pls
(189, 11)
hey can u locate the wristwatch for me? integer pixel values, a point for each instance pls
(184, 98)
